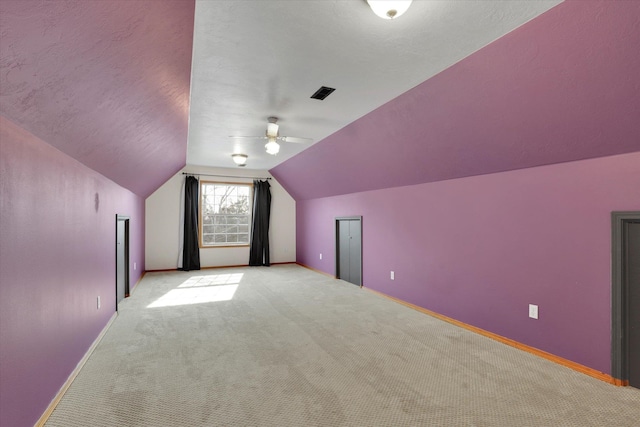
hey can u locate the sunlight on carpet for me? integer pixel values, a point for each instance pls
(200, 290)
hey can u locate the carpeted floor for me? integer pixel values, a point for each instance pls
(285, 346)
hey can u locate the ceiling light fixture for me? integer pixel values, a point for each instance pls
(272, 146)
(240, 159)
(272, 127)
(389, 9)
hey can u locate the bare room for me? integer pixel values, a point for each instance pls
(319, 213)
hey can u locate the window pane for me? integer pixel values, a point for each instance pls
(226, 213)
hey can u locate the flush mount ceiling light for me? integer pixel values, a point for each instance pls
(272, 146)
(240, 159)
(390, 9)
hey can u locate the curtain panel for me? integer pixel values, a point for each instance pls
(259, 249)
(191, 249)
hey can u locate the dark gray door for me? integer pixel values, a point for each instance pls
(355, 252)
(349, 250)
(122, 259)
(343, 250)
(633, 281)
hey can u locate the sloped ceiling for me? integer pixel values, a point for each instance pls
(563, 87)
(106, 82)
(255, 59)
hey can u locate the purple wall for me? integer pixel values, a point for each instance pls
(450, 180)
(481, 249)
(57, 254)
(106, 82)
(562, 87)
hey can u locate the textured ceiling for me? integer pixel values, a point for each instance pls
(563, 87)
(255, 59)
(106, 82)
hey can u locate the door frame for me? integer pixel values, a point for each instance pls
(619, 296)
(126, 220)
(337, 244)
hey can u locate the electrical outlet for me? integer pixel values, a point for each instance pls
(320, 256)
(98, 303)
(533, 311)
(135, 266)
(393, 276)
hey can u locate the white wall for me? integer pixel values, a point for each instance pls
(163, 216)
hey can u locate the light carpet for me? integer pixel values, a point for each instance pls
(286, 346)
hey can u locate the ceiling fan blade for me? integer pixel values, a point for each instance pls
(295, 139)
(249, 137)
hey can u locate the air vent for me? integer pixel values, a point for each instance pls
(322, 93)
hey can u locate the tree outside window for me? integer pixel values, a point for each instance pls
(225, 213)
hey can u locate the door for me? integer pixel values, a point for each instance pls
(625, 298)
(349, 249)
(632, 262)
(122, 258)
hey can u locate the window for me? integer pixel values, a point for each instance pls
(225, 213)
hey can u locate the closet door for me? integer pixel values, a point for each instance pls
(122, 258)
(349, 249)
(632, 262)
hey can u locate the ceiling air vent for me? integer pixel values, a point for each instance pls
(322, 93)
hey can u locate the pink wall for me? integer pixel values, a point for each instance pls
(57, 254)
(480, 249)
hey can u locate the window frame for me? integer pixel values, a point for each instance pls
(201, 224)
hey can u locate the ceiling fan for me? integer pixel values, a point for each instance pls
(273, 137)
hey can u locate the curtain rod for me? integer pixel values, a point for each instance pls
(226, 176)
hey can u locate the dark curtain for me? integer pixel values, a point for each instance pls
(190, 250)
(259, 251)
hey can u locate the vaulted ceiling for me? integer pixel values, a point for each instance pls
(256, 59)
(106, 82)
(137, 89)
(564, 87)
